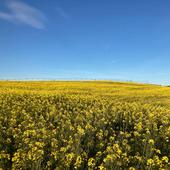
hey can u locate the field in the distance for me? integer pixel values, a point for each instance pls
(84, 125)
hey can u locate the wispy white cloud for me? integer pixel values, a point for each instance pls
(20, 12)
(62, 13)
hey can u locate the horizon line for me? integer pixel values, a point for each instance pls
(81, 79)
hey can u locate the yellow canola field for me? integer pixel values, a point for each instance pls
(84, 125)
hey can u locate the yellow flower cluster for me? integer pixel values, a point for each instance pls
(90, 125)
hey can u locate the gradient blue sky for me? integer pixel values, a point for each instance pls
(85, 39)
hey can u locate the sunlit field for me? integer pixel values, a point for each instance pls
(84, 125)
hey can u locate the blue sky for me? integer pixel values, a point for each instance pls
(91, 39)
